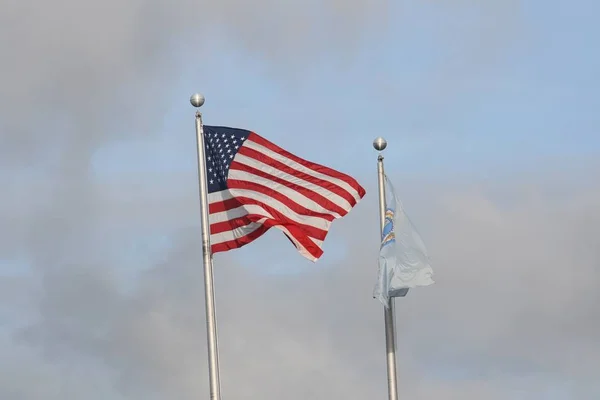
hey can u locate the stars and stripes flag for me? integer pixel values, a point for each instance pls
(254, 185)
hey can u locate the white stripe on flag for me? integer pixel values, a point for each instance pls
(299, 167)
(315, 222)
(236, 233)
(292, 194)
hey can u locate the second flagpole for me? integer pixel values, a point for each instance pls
(197, 100)
(390, 330)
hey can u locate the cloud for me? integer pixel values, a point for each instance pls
(80, 319)
(77, 74)
(70, 64)
(513, 308)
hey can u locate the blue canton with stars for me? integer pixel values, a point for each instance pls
(221, 145)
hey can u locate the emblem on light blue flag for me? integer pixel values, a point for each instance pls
(403, 259)
(388, 235)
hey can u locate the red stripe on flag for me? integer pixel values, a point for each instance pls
(313, 249)
(266, 191)
(220, 206)
(330, 186)
(231, 224)
(241, 241)
(282, 219)
(254, 137)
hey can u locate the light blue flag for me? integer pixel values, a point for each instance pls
(403, 260)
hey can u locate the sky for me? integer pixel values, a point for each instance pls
(490, 112)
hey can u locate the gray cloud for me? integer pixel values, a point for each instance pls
(74, 72)
(75, 325)
(514, 308)
(70, 61)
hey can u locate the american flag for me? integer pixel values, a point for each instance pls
(254, 185)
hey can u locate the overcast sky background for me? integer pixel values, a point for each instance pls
(491, 114)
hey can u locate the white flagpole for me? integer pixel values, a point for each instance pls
(197, 101)
(390, 330)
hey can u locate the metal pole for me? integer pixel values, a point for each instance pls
(197, 101)
(390, 330)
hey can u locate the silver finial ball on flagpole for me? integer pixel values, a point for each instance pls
(379, 144)
(197, 100)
